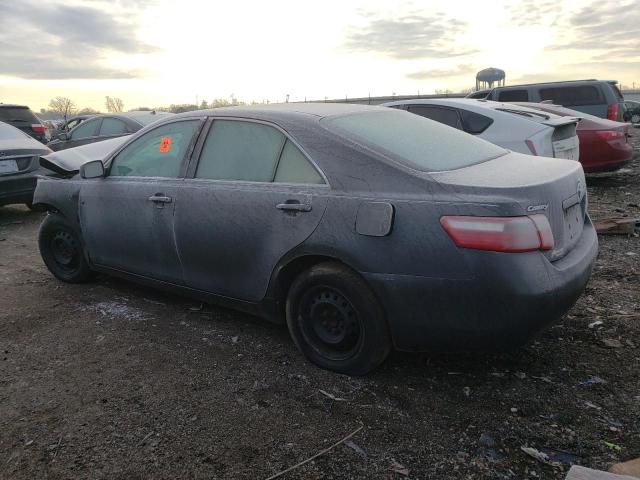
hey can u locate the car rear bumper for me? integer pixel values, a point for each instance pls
(605, 157)
(17, 188)
(510, 299)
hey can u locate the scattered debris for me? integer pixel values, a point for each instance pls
(582, 473)
(612, 343)
(332, 397)
(597, 323)
(356, 448)
(592, 405)
(540, 456)
(466, 391)
(612, 446)
(618, 226)
(234, 339)
(399, 468)
(593, 380)
(322, 452)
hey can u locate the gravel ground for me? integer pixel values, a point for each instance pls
(111, 380)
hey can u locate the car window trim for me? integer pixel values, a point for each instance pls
(184, 163)
(197, 153)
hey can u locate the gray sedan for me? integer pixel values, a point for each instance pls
(363, 228)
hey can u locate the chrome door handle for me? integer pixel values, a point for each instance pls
(294, 207)
(160, 199)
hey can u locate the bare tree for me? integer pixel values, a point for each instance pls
(88, 111)
(114, 104)
(63, 106)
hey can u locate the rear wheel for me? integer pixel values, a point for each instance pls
(336, 320)
(635, 118)
(61, 250)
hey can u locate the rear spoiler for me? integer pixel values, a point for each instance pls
(561, 121)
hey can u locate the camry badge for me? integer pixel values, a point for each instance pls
(537, 208)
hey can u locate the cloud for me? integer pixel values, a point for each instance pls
(534, 12)
(611, 26)
(59, 41)
(432, 74)
(412, 36)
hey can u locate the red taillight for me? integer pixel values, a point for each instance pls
(500, 234)
(609, 135)
(531, 146)
(37, 127)
(612, 112)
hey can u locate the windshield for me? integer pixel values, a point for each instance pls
(420, 143)
(7, 132)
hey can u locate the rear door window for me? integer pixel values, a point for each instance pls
(237, 150)
(513, 96)
(157, 153)
(85, 130)
(294, 167)
(576, 95)
(112, 126)
(447, 116)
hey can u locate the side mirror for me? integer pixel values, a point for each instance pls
(63, 136)
(93, 169)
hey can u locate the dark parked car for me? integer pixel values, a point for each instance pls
(363, 227)
(23, 119)
(19, 165)
(604, 144)
(103, 127)
(632, 111)
(69, 124)
(595, 97)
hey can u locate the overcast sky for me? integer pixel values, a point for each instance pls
(157, 52)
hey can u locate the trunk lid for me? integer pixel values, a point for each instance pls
(554, 188)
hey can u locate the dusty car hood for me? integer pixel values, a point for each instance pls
(70, 160)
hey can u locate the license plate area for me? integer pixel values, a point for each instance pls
(567, 149)
(8, 166)
(573, 223)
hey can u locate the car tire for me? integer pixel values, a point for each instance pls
(635, 118)
(336, 321)
(62, 252)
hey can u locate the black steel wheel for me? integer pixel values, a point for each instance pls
(61, 250)
(336, 320)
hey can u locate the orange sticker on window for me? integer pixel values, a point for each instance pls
(165, 145)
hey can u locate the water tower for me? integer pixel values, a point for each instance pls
(486, 78)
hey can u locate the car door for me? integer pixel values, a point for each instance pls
(127, 217)
(250, 197)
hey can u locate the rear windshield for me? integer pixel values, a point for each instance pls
(17, 114)
(420, 143)
(7, 132)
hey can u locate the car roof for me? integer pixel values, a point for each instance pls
(589, 80)
(12, 105)
(282, 110)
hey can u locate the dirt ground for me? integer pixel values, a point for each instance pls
(111, 380)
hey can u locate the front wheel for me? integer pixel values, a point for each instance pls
(61, 250)
(336, 321)
(635, 118)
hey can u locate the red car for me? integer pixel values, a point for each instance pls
(604, 144)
